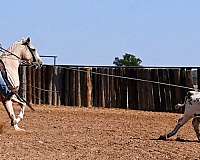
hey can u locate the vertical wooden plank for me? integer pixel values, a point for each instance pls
(49, 74)
(94, 89)
(189, 80)
(183, 83)
(148, 87)
(72, 88)
(112, 92)
(33, 85)
(198, 78)
(82, 86)
(141, 91)
(132, 89)
(38, 85)
(145, 88)
(162, 90)
(102, 81)
(58, 86)
(106, 87)
(23, 81)
(43, 85)
(175, 91)
(88, 87)
(166, 79)
(99, 88)
(54, 85)
(66, 87)
(156, 90)
(77, 88)
(124, 88)
(29, 85)
(172, 89)
(117, 88)
(20, 92)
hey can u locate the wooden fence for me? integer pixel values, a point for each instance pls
(91, 86)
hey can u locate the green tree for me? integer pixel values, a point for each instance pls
(127, 60)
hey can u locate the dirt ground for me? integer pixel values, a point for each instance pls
(95, 134)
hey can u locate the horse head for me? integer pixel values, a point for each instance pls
(29, 53)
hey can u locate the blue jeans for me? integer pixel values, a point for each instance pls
(4, 88)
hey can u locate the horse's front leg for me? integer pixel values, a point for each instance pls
(21, 113)
(22, 105)
(180, 123)
(11, 114)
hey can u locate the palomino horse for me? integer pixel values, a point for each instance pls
(20, 51)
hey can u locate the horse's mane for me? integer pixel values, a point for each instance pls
(16, 43)
(12, 47)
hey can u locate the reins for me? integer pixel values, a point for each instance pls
(3, 50)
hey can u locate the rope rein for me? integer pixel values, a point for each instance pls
(3, 50)
(113, 76)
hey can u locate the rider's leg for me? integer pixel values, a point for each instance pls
(7, 93)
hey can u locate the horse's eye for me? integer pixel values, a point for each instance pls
(33, 49)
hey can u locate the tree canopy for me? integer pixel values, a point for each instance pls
(127, 60)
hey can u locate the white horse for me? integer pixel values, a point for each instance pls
(21, 50)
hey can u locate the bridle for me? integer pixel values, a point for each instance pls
(31, 51)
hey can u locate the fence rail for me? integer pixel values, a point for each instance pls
(91, 86)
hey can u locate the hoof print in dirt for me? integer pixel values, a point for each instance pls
(162, 137)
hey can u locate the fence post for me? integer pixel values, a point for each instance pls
(60, 89)
(54, 85)
(72, 88)
(198, 78)
(24, 83)
(38, 86)
(77, 88)
(94, 89)
(132, 89)
(66, 87)
(89, 87)
(43, 85)
(106, 88)
(112, 88)
(29, 85)
(49, 75)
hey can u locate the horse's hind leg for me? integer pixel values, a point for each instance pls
(11, 113)
(195, 123)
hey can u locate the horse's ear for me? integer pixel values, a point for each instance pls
(28, 40)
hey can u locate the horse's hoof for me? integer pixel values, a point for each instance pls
(18, 129)
(162, 137)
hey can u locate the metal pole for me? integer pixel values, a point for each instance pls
(55, 60)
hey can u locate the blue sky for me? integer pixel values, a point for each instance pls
(94, 32)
